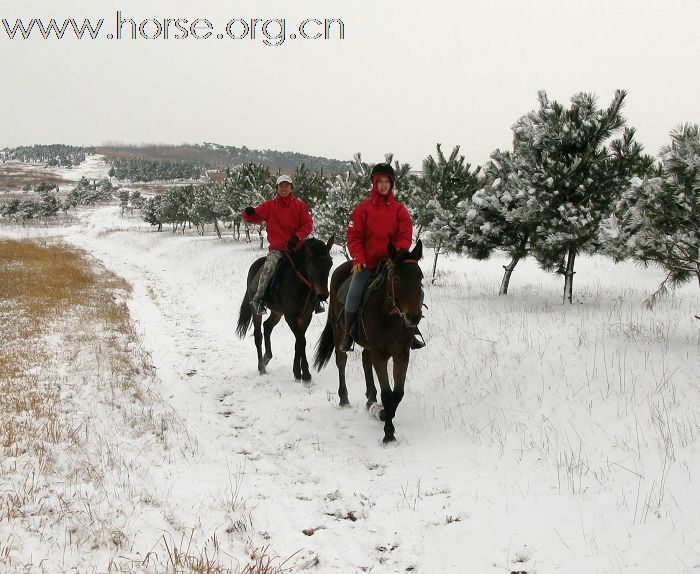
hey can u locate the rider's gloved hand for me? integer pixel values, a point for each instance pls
(293, 243)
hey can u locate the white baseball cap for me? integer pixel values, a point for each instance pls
(283, 178)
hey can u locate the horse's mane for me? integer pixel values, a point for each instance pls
(315, 246)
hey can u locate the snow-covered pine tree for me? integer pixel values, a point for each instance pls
(48, 205)
(176, 205)
(248, 184)
(206, 208)
(310, 186)
(500, 215)
(123, 197)
(26, 210)
(151, 212)
(136, 200)
(331, 217)
(10, 209)
(444, 183)
(657, 220)
(575, 173)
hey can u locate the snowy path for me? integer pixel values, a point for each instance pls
(306, 464)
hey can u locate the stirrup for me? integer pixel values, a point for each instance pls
(346, 343)
(417, 343)
(259, 307)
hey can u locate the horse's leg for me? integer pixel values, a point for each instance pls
(269, 325)
(341, 360)
(400, 360)
(257, 335)
(371, 392)
(387, 414)
(301, 350)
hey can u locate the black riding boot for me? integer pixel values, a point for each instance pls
(417, 343)
(346, 342)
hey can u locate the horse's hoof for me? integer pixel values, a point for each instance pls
(382, 415)
(344, 402)
(389, 438)
(266, 359)
(306, 377)
(262, 372)
(375, 410)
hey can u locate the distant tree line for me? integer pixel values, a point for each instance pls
(217, 156)
(51, 155)
(140, 169)
(279, 160)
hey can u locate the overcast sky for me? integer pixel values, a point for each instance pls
(407, 75)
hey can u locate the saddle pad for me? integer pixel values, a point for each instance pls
(342, 293)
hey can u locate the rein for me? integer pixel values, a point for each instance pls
(302, 278)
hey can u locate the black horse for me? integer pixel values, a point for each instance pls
(302, 277)
(390, 314)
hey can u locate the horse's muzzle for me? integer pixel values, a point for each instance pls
(412, 320)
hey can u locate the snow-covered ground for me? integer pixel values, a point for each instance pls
(533, 436)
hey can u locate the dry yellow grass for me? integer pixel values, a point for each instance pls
(39, 283)
(44, 287)
(14, 176)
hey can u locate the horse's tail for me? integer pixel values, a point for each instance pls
(324, 346)
(244, 317)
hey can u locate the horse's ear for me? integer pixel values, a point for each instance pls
(330, 242)
(417, 252)
(392, 251)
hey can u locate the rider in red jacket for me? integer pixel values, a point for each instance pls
(288, 224)
(374, 224)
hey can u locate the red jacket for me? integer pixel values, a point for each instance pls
(374, 224)
(285, 216)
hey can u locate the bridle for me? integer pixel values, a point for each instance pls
(391, 290)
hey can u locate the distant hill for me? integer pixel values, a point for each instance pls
(214, 155)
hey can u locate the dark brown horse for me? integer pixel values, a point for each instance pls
(302, 277)
(385, 331)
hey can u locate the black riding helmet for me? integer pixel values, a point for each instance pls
(383, 169)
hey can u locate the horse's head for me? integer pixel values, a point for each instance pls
(405, 278)
(318, 264)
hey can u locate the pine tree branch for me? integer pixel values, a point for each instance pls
(650, 301)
